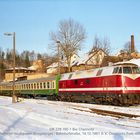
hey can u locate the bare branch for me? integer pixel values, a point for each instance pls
(71, 36)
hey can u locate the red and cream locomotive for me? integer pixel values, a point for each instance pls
(118, 84)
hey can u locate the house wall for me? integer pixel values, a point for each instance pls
(96, 59)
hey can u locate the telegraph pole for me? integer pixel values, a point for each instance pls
(14, 97)
(58, 49)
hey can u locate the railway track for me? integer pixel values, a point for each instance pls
(101, 111)
(108, 113)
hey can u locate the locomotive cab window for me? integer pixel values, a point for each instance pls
(120, 70)
(127, 70)
(116, 70)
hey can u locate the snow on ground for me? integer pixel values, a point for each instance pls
(51, 120)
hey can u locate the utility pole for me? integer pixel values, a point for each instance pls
(14, 97)
(58, 49)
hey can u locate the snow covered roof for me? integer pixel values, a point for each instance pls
(17, 68)
(32, 68)
(55, 65)
(21, 68)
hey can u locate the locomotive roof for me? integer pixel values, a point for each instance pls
(101, 71)
(87, 73)
(131, 62)
(125, 63)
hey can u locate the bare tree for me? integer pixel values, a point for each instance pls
(70, 35)
(103, 44)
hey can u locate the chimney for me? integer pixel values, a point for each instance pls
(132, 44)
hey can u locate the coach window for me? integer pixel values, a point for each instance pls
(31, 86)
(24, 86)
(53, 85)
(127, 70)
(48, 85)
(44, 85)
(40, 85)
(37, 85)
(34, 85)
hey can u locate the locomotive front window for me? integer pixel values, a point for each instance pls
(120, 70)
(136, 70)
(127, 70)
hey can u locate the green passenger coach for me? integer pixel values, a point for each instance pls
(41, 87)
